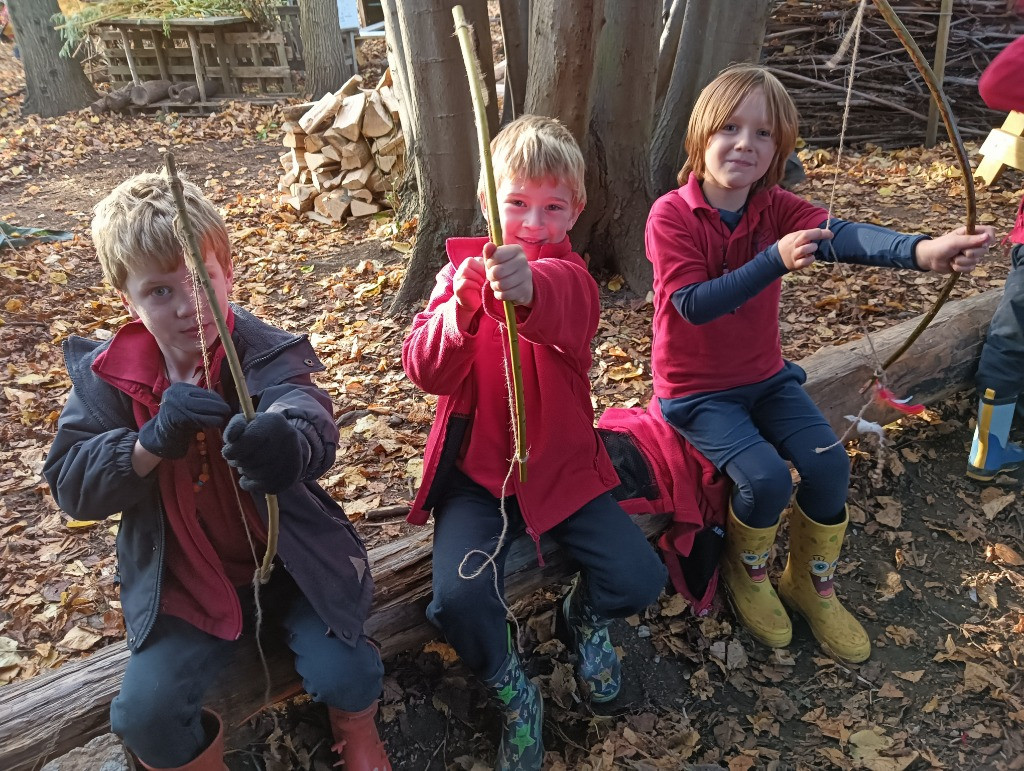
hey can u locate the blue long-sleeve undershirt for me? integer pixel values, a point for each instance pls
(852, 242)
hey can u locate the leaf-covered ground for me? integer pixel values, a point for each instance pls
(933, 562)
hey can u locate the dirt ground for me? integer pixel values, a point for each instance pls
(932, 562)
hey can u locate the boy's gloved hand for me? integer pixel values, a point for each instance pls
(269, 453)
(185, 409)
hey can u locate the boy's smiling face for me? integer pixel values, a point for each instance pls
(165, 303)
(739, 153)
(535, 212)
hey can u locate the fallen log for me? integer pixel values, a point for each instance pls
(50, 714)
(941, 362)
(149, 92)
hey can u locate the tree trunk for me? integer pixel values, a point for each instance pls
(407, 192)
(669, 45)
(397, 61)
(611, 228)
(563, 42)
(54, 84)
(446, 159)
(515, 34)
(322, 47)
(714, 34)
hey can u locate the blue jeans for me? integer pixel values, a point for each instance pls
(1001, 367)
(751, 431)
(157, 713)
(623, 572)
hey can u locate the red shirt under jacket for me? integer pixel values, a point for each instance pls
(208, 552)
(567, 463)
(688, 243)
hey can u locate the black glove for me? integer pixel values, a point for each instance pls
(269, 453)
(184, 410)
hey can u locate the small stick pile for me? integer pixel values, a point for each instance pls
(345, 150)
(890, 101)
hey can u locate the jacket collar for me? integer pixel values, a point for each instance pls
(693, 197)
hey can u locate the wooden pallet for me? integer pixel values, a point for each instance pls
(247, 61)
(1003, 147)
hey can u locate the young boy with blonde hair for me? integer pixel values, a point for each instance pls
(456, 349)
(720, 245)
(151, 429)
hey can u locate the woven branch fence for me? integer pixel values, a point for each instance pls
(890, 102)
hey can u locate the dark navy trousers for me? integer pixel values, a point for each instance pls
(622, 572)
(1001, 367)
(750, 432)
(158, 711)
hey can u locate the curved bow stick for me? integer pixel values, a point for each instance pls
(935, 87)
(462, 29)
(188, 237)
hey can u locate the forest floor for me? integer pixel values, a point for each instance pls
(932, 565)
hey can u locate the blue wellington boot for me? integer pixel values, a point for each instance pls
(991, 450)
(522, 710)
(598, 664)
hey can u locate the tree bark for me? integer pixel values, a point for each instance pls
(669, 44)
(611, 228)
(515, 34)
(714, 34)
(322, 47)
(446, 159)
(563, 43)
(54, 84)
(407, 192)
(397, 61)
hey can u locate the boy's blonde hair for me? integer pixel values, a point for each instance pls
(133, 228)
(719, 100)
(538, 147)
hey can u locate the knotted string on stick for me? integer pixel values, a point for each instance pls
(463, 30)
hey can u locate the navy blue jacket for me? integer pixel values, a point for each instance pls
(90, 472)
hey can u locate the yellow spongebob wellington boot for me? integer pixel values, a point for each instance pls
(806, 586)
(744, 568)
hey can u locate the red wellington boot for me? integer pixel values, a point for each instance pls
(357, 741)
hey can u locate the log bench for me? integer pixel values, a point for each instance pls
(50, 714)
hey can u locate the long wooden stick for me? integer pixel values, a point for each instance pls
(463, 30)
(942, 104)
(188, 236)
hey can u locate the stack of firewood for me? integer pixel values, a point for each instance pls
(344, 151)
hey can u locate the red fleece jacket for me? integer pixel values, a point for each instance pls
(567, 462)
(1002, 87)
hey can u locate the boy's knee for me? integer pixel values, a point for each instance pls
(771, 489)
(350, 682)
(139, 720)
(634, 589)
(831, 466)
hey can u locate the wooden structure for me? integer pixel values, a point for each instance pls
(244, 61)
(49, 715)
(1003, 147)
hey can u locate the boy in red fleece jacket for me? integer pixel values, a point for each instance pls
(1000, 376)
(456, 349)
